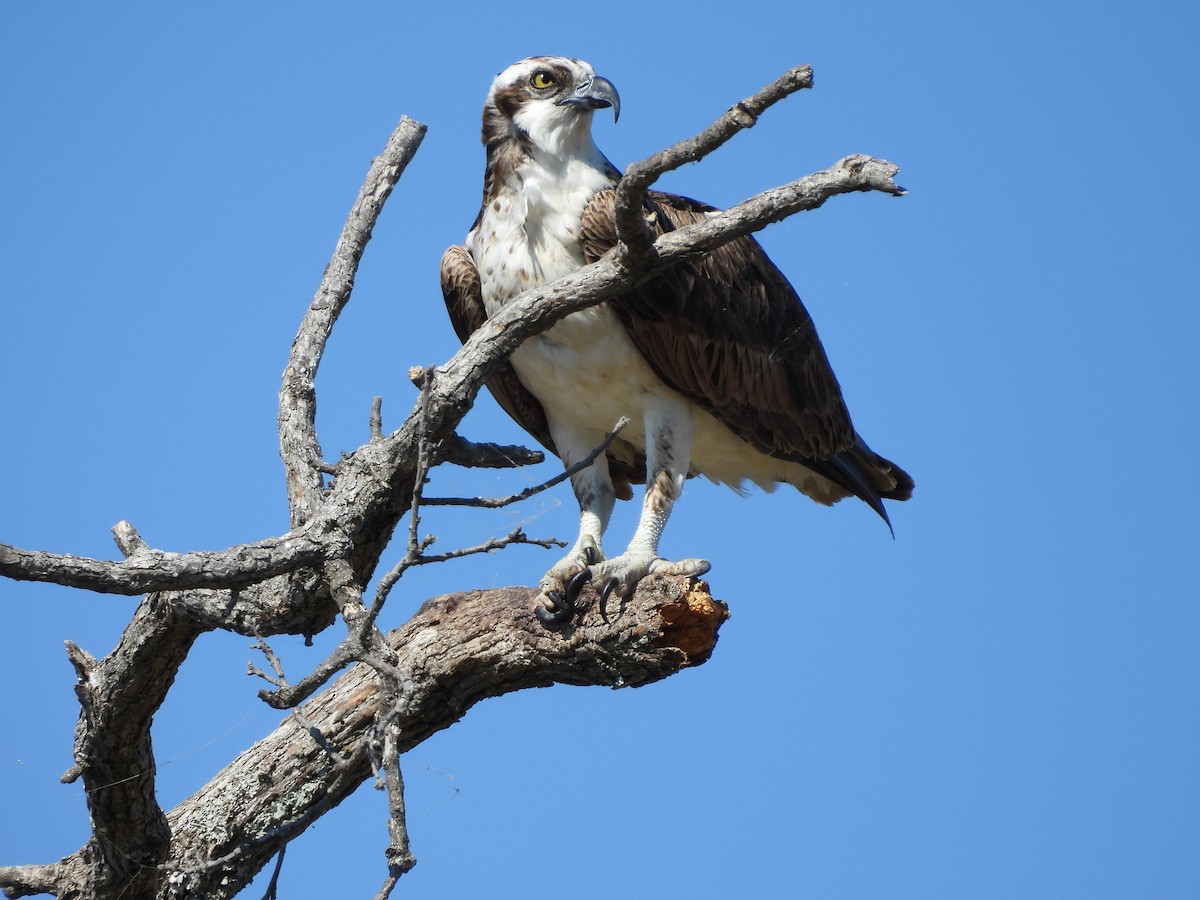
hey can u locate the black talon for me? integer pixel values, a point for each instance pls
(565, 602)
(575, 586)
(589, 555)
(565, 610)
(605, 592)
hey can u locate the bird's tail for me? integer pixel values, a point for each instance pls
(871, 477)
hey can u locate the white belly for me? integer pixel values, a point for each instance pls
(586, 371)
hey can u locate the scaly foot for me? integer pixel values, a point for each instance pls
(561, 586)
(621, 574)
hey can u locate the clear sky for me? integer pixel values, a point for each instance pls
(1001, 702)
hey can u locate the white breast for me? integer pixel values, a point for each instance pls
(531, 236)
(584, 369)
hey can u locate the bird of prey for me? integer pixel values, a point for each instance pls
(715, 362)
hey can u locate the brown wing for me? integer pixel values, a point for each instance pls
(464, 301)
(728, 332)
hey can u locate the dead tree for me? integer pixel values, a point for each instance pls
(381, 694)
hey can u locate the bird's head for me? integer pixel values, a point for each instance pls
(547, 102)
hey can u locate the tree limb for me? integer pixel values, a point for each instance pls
(147, 570)
(298, 444)
(459, 649)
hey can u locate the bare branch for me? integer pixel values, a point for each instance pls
(459, 649)
(516, 536)
(128, 540)
(273, 886)
(118, 697)
(25, 881)
(497, 502)
(155, 570)
(298, 443)
(458, 451)
(250, 853)
(422, 474)
(399, 855)
(383, 749)
(631, 227)
(288, 695)
(851, 174)
(277, 678)
(376, 421)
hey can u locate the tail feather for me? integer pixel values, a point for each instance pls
(871, 478)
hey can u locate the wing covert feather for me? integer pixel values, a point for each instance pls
(729, 332)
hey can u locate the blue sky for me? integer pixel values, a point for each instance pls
(1001, 702)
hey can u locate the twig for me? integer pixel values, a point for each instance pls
(276, 666)
(631, 226)
(399, 855)
(422, 471)
(286, 696)
(376, 421)
(516, 536)
(127, 539)
(273, 887)
(497, 502)
(279, 680)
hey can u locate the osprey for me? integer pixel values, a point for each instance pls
(716, 363)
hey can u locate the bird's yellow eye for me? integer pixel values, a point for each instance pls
(542, 80)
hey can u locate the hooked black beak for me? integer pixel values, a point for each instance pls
(598, 93)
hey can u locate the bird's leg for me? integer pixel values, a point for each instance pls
(669, 426)
(593, 487)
